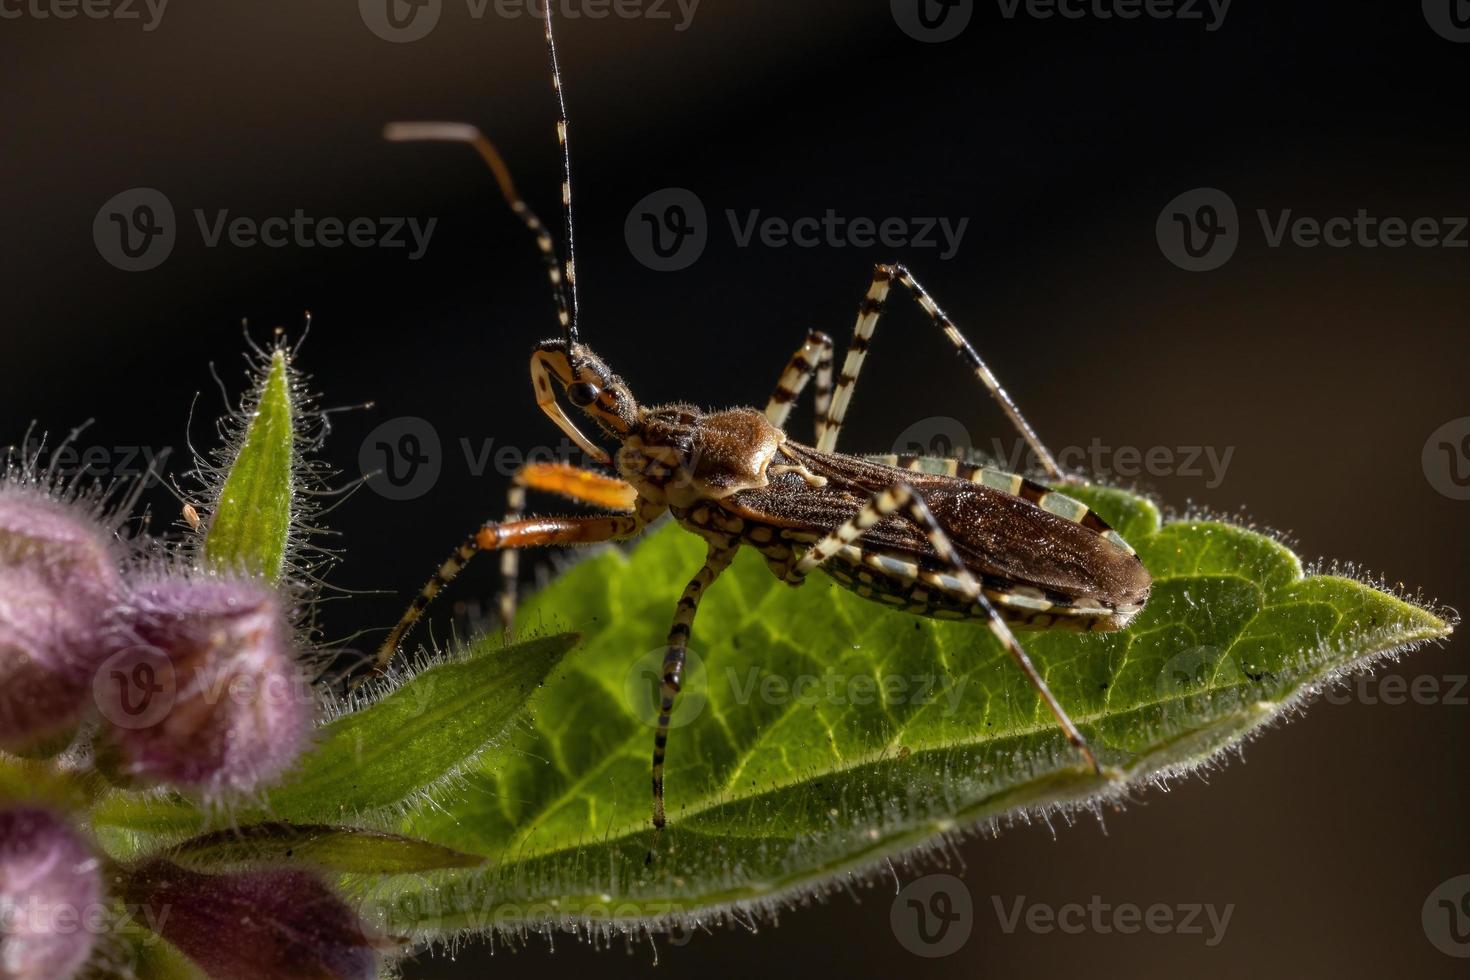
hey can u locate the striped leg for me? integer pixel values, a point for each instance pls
(512, 534)
(901, 496)
(814, 358)
(867, 322)
(564, 480)
(715, 562)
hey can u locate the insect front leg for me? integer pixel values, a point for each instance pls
(813, 358)
(508, 535)
(869, 312)
(901, 496)
(564, 480)
(716, 561)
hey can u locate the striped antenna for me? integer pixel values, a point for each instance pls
(563, 276)
(568, 233)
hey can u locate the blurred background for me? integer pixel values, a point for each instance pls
(1124, 198)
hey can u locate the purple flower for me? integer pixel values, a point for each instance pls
(210, 695)
(279, 923)
(63, 541)
(50, 896)
(58, 577)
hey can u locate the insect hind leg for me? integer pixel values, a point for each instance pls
(867, 322)
(899, 497)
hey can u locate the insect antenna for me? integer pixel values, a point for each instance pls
(562, 275)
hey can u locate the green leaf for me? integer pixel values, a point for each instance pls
(345, 849)
(250, 528)
(397, 750)
(824, 733)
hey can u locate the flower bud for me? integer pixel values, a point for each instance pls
(210, 695)
(50, 890)
(280, 923)
(49, 645)
(61, 541)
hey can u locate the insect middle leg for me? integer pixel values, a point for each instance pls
(514, 533)
(872, 308)
(716, 561)
(901, 496)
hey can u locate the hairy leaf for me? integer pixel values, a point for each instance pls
(344, 849)
(250, 528)
(383, 756)
(820, 733)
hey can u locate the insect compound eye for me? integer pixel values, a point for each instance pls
(582, 394)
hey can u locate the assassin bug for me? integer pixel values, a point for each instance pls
(936, 537)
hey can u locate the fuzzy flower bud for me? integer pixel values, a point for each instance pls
(61, 540)
(50, 891)
(279, 923)
(58, 576)
(210, 695)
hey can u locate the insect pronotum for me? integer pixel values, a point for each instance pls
(941, 538)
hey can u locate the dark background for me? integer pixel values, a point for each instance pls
(1061, 141)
